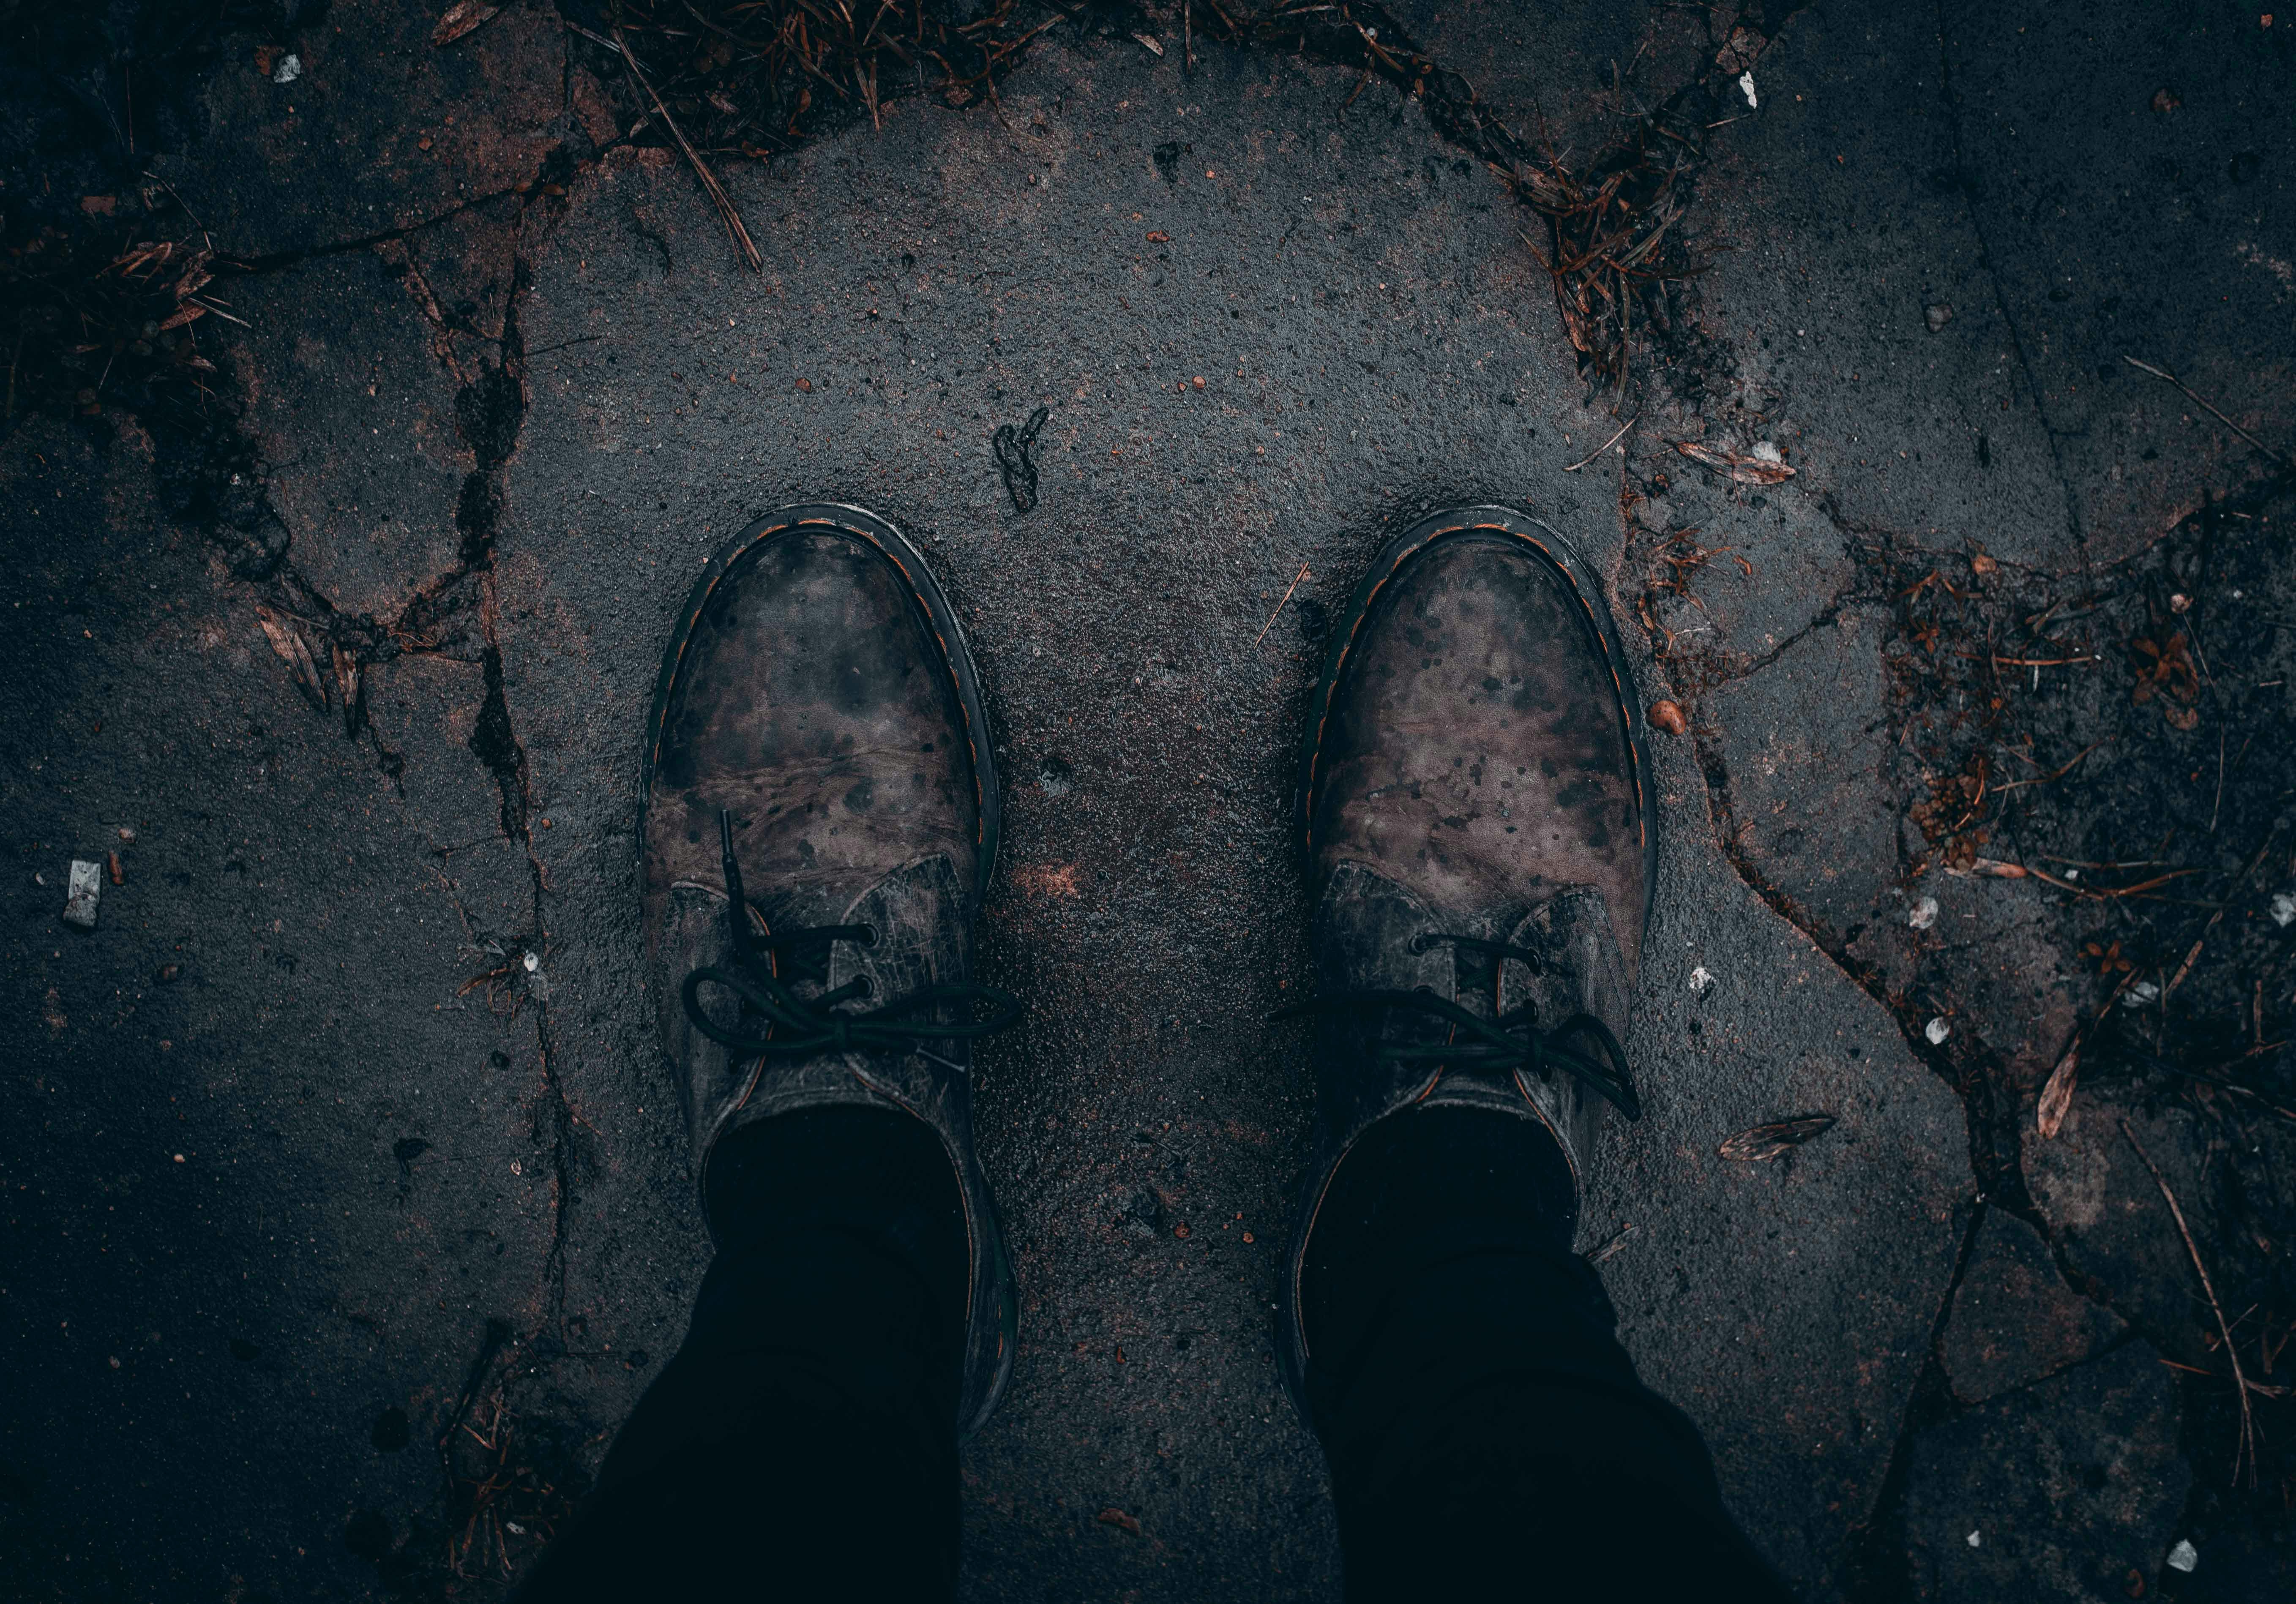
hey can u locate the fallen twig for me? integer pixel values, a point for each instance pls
(726, 210)
(1288, 589)
(1606, 444)
(2247, 1444)
(2200, 400)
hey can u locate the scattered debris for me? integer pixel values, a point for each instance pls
(1769, 1141)
(1611, 1248)
(1153, 46)
(2141, 993)
(1746, 88)
(1762, 467)
(462, 18)
(1937, 314)
(1923, 914)
(1118, 1517)
(2283, 908)
(1668, 715)
(1012, 459)
(1700, 980)
(111, 861)
(291, 67)
(1937, 1030)
(81, 895)
(2184, 1556)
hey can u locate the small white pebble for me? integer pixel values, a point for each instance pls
(291, 67)
(1976, 1540)
(115, 1362)
(1924, 914)
(2283, 908)
(1746, 88)
(533, 962)
(516, 1168)
(179, 1157)
(1937, 1030)
(127, 834)
(2184, 1556)
(2140, 994)
(1700, 980)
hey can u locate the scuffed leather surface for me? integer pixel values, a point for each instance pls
(1474, 749)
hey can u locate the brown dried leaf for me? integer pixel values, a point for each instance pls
(346, 682)
(1744, 470)
(1765, 1142)
(288, 643)
(2057, 1096)
(1118, 1517)
(461, 18)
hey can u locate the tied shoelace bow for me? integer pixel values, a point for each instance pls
(799, 1026)
(1509, 1043)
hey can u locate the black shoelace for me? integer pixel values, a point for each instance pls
(1509, 1043)
(799, 1026)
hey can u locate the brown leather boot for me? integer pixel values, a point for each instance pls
(819, 815)
(1474, 816)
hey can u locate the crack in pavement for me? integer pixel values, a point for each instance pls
(2000, 297)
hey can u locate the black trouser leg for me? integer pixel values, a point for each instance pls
(1486, 1432)
(802, 1443)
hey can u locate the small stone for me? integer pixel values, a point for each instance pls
(533, 962)
(1937, 1030)
(1700, 980)
(291, 67)
(81, 895)
(2184, 1556)
(1923, 914)
(127, 834)
(1937, 316)
(2283, 908)
(1976, 1540)
(1667, 716)
(2142, 993)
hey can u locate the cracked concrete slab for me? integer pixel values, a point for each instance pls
(1786, 1305)
(1838, 228)
(355, 416)
(375, 132)
(261, 1057)
(2013, 1319)
(2149, 160)
(1802, 750)
(2067, 1490)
